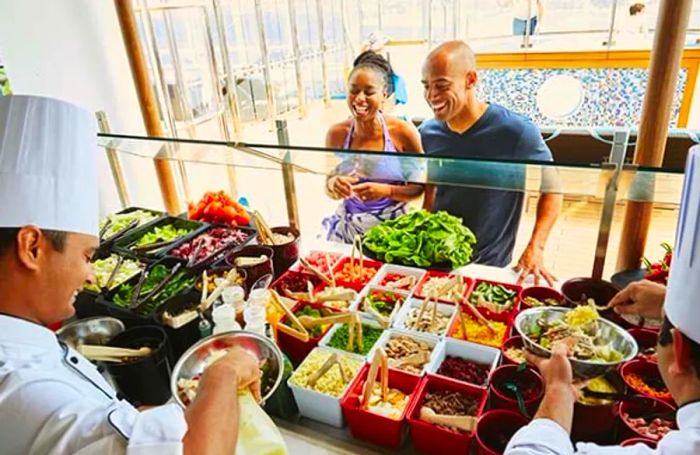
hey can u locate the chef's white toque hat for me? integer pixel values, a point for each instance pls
(48, 165)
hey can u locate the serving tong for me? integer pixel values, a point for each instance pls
(137, 301)
(380, 364)
(111, 354)
(331, 361)
(464, 423)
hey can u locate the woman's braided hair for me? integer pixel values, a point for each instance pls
(376, 62)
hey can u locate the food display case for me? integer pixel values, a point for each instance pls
(386, 306)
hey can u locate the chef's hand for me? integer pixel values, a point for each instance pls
(241, 365)
(556, 370)
(370, 191)
(642, 298)
(532, 263)
(341, 185)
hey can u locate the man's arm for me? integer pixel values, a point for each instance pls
(212, 418)
(429, 197)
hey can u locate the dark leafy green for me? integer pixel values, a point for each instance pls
(423, 239)
(180, 282)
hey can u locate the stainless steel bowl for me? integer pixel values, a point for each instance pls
(98, 330)
(621, 341)
(193, 361)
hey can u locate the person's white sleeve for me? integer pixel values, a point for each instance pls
(56, 418)
(540, 437)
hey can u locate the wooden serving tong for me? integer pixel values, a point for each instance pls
(464, 423)
(111, 354)
(379, 364)
(356, 255)
(298, 331)
(327, 365)
(264, 230)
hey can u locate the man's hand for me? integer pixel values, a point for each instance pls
(370, 191)
(342, 185)
(642, 298)
(556, 370)
(241, 366)
(559, 390)
(532, 263)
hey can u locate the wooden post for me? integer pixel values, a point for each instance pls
(669, 39)
(147, 100)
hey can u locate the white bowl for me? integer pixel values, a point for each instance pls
(443, 308)
(360, 302)
(366, 320)
(435, 342)
(474, 352)
(400, 269)
(320, 406)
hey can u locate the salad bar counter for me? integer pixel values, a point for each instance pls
(376, 354)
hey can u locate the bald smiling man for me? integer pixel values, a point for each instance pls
(464, 126)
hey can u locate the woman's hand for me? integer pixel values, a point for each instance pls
(370, 191)
(341, 185)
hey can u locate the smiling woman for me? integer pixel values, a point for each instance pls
(372, 189)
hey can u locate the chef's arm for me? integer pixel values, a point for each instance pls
(548, 209)
(213, 416)
(549, 432)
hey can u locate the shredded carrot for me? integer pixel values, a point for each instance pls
(638, 384)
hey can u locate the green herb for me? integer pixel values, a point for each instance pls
(423, 239)
(310, 311)
(180, 282)
(118, 221)
(162, 234)
(370, 335)
(383, 302)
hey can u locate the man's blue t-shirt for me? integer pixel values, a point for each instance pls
(493, 215)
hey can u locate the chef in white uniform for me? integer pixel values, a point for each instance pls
(52, 400)
(678, 350)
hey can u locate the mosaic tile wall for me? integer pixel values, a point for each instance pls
(612, 96)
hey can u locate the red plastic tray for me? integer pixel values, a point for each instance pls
(469, 282)
(516, 305)
(505, 318)
(359, 284)
(296, 349)
(372, 427)
(429, 438)
(334, 257)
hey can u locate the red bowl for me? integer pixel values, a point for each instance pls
(429, 438)
(646, 370)
(516, 305)
(501, 400)
(302, 276)
(646, 339)
(253, 272)
(358, 284)
(594, 423)
(512, 342)
(296, 349)
(633, 441)
(468, 283)
(600, 290)
(287, 254)
(505, 318)
(541, 293)
(494, 430)
(637, 408)
(373, 427)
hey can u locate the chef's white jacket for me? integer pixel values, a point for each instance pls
(546, 437)
(54, 401)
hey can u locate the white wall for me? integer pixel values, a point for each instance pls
(73, 50)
